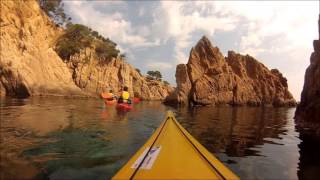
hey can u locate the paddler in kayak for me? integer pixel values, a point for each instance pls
(125, 96)
(110, 96)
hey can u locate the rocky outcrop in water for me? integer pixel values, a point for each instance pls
(308, 111)
(209, 78)
(30, 66)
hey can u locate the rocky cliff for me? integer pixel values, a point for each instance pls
(210, 78)
(94, 77)
(308, 111)
(30, 66)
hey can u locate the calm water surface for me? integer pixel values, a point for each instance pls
(58, 138)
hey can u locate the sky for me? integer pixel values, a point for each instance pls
(158, 35)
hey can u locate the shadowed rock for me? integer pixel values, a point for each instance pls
(308, 111)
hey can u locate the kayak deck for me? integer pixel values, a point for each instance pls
(124, 106)
(108, 102)
(174, 154)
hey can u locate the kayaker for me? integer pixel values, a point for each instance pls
(125, 96)
(110, 95)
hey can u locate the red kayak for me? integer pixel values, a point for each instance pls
(136, 100)
(124, 106)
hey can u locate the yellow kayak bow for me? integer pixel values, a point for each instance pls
(172, 153)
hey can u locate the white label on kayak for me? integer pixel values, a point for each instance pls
(149, 160)
(138, 161)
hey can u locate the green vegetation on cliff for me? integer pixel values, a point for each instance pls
(77, 37)
(54, 9)
(154, 75)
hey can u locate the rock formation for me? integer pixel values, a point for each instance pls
(30, 66)
(308, 111)
(93, 77)
(210, 78)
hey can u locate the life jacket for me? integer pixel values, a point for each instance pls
(125, 95)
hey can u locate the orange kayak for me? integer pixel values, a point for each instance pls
(110, 102)
(105, 95)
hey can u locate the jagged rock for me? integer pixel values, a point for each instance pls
(184, 86)
(308, 111)
(236, 80)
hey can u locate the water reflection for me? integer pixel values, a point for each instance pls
(71, 150)
(257, 143)
(54, 138)
(235, 130)
(309, 164)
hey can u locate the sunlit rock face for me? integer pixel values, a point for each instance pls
(30, 66)
(94, 77)
(308, 111)
(184, 86)
(209, 78)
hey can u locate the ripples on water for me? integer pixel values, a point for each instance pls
(58, 138)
